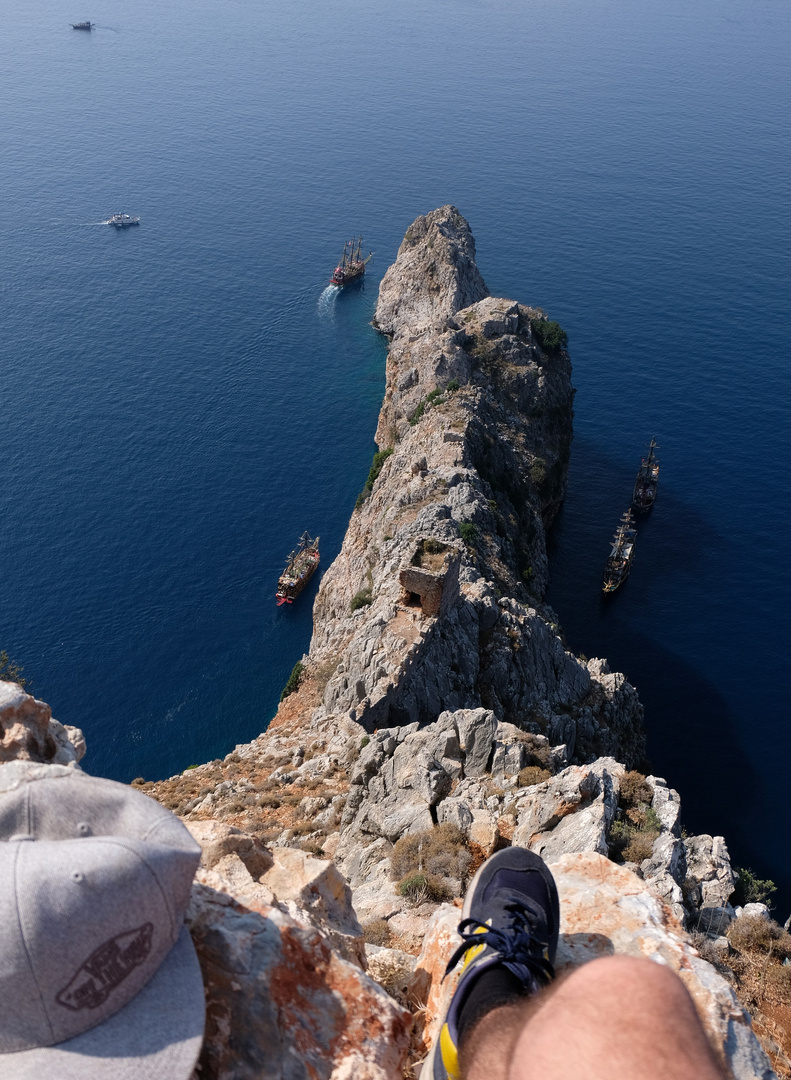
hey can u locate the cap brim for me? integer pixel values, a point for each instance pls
(157, 1036)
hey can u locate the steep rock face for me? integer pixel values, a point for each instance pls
(434, 276)
(434, 602)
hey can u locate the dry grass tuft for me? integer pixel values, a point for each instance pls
(440, 851)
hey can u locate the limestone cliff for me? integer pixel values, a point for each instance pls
(434, 602)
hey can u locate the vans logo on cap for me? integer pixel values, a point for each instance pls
(106, 968)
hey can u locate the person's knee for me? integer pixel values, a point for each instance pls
(633, 982)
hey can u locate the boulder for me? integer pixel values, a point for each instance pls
(315, 893)
(28, 731)
(666, 803)
(219, 841)
(709, 864)
(571, 812)
(476, 729)
(281, 1003)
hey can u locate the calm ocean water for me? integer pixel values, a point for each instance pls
(181, 400)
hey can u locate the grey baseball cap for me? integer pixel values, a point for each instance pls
(99, 979)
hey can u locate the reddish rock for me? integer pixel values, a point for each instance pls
(281, 1003)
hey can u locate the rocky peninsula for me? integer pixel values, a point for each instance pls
(437, 717)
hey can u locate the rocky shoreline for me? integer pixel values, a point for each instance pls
(438, 716)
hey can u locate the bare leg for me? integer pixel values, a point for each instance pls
(617, 1018)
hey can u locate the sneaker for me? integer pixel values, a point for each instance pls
(510, 918)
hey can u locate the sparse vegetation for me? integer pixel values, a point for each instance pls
(631, 843)
(379, 458)
(760, 961)
(550, 335)
(421, 887)
(468, 531)
(632, 836)
(634, 789)
(751, 889)
(434, 398)
(294, 679)
(538, 471)
(361, 599)
(532, 775)
(364, 741)
(377, 932)
(440, 851)
(452, 386)
(11, 672)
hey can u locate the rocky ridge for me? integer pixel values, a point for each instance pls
(438, 717)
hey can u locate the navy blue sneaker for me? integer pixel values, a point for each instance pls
(510, 918)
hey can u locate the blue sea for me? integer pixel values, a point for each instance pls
(181, 400)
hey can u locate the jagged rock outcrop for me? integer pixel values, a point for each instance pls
(28, 731)
(286, 995)
(433, 604)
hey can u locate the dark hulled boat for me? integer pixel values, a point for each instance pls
(619, 562)
(647, 480)
(299, 570)
(82, 26)
(352, 265)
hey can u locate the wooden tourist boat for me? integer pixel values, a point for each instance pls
(619, 561)
(352, 265)
(299, 570)
(647, 480)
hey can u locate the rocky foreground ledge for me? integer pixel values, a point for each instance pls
(438, 717)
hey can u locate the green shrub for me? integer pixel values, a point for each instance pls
(452, 386)
(631, 842)
(434, 398)
(364, 741)
(361, 599)
(532, 775)
(434, 547)
(380, 457)
(549, 335)
(538, 471)
(468, 532)
(751, 889)
(421, 887)
(11, 672)
(294, 679)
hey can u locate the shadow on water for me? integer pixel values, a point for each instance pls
(694, 739)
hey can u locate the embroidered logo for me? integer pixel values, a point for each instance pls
(106, 968)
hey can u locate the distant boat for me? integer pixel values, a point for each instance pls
(619, 561)
(123, 221)
(352, 265)
(647, 480)
(82, 25)
(299, 570)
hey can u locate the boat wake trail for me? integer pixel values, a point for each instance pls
(327, 300)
